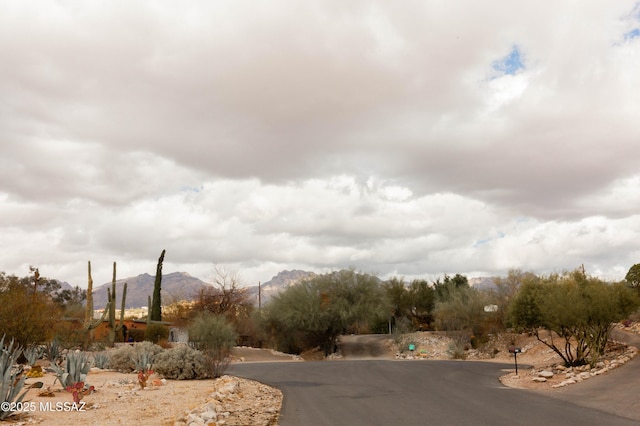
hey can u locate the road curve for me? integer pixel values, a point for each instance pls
(615, 392)
(383, 392)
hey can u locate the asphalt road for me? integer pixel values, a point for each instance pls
(384, 392)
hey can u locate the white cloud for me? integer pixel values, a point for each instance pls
(335, 134)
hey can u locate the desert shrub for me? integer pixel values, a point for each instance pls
(215, 337)
(10, 382)
(124, 358)
(156, 332)
(136, 334)
(181, 363)
(121, 359)
(456, 350)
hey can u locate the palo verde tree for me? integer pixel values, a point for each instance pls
(156, 303)
(410, 304)
(462, 312)
(633, 277)
(572, 313)
(315, 312)
(446, 288)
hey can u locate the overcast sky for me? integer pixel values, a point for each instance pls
(411, 138)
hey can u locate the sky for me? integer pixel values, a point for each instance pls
(410, 139)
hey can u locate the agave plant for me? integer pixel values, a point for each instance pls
(101, 360)
(143, 361)
(33, 353)
(75, 370)
(53, 351)
(11, 380)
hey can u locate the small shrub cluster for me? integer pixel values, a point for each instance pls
(136, 334)
(124, 358)
(181, 363)
(456, 350)
(156, 333)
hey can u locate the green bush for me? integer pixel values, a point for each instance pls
(181, 363)
(215, 337)
(136, 334)
(156, 332)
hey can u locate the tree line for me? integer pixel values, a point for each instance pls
(571, 312)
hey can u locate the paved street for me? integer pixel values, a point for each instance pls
(383, 392)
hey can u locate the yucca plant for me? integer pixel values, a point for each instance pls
(11, 381)
(77, 365)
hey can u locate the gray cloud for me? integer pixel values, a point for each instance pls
(367, 134)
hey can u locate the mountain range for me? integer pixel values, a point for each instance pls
(177, 286)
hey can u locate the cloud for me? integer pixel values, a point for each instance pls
(391, 138)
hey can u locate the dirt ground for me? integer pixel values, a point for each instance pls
(119, 400)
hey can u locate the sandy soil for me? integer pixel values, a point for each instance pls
(119, 400)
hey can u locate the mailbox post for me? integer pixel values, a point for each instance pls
(515, 351)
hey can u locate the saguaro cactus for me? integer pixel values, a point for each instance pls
(156, 306)
(111, 307)
(89, 322)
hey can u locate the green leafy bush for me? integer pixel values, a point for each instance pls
(10, 384)
(214, 336)
(156, 332)
(181, 363)
(136, 334)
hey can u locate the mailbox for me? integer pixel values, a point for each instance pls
(515, 351)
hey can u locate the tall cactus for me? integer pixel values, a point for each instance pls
(89, 322)
(156, 306)
(111, 306)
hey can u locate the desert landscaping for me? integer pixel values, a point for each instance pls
(119, 399)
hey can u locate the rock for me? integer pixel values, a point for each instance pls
(546, 374)
(584, 375)
(539, 379)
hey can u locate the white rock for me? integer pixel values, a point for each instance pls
(546, 374)
(584, 375)
(539, 379)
